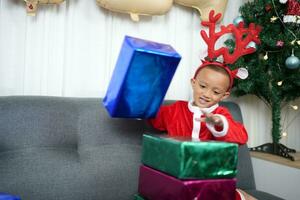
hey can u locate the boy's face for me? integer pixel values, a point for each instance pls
(209, 87)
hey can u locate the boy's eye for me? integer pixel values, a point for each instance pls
(217, 93)
(202, 86)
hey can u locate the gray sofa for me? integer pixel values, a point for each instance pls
(58, 148)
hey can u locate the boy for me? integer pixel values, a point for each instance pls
(202, 117)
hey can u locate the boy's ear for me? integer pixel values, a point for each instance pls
(193, 82)
(225, 96)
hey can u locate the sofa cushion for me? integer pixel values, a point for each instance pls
(70, 148)
(67, 148)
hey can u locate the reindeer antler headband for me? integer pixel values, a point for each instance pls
(243, 36)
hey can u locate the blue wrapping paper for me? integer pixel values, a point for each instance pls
(5, 196)
(141, 78)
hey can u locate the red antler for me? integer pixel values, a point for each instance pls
(243, 36)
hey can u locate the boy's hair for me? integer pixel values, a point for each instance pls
(216, 68)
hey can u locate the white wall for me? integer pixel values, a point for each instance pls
(277, 179)
(71, 50)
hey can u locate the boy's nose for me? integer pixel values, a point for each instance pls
(207, 93)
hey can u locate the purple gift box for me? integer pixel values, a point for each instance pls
(155, 185)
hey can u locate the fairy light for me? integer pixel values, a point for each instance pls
(273, 19)
(294, 107)
(293, 42)
(266, 56)
(279, 83)
(284, 134)
(286, 126)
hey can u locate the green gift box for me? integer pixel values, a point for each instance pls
(138, 197)
(187, 158)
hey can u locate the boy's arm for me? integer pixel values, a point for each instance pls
(159, 122)
(225, 128)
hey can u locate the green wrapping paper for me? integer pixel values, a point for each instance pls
(138, 197)
(186, 158)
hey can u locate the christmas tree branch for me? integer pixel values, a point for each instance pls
(295, 37)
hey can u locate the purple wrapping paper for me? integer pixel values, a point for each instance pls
(155, 185)
(141, 78)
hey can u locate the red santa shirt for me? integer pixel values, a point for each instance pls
(183, 119)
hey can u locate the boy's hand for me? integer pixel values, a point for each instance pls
(246, 195)
(212, 119)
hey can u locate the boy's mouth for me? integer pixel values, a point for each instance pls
(203, 100)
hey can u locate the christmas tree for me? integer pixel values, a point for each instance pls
(274, 74)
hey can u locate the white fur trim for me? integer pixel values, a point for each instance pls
(219, 133)
(291, 18)
(196, 117)
(195, 109)
(283, 1)
(242, 73)
(196, 125)
(241, 195)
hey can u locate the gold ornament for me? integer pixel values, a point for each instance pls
(31, 5)
(135, 8)
(204, 7)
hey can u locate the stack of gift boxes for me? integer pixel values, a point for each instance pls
(173, 168)
(185, 169)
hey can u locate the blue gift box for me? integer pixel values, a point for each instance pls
(141, 78)
(5, 196)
